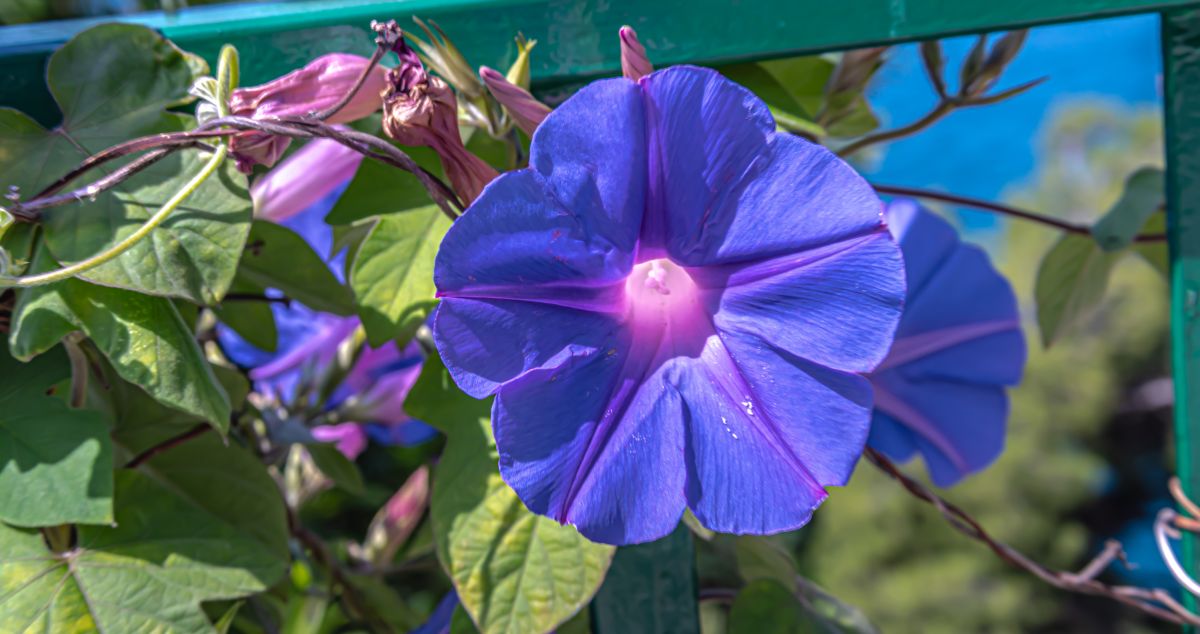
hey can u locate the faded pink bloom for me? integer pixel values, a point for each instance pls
(350, 438)
(634, 63)
(420, 109)
(315, 87)
(526, 111)
(307, 176)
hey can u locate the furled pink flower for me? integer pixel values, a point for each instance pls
(315, 87)
(305, 178)
(526, 111)
(420, 109)
(634, 63)
(350, 438)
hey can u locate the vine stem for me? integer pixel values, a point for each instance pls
(116, 250)
(1153, 601)
(986, 205)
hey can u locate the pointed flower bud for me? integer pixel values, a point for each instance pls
(396, 521)
(420, 109)
(526, 111)
(518, 73)
(317, 86)
(305, 178)
(446, 60)
(634, 63)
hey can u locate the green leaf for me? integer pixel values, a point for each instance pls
(167, 554)
(277, 257)
(760, 558)
(1070, 282)
(193, 254)
(650, 588)
(436, 400)
(792, 88)
(337, 467)
(1144, 194)
(514, 571)
(251, 319)
(378, 189)
(55, 462)
(114, 82)
(766, 607)
(144, 337)
(1155, 252)
(392, 276)
(834, 615)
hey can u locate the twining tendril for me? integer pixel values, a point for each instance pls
(227, 76)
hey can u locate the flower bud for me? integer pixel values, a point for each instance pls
(306, 177)
(634, 63)
(396, 521)
(855, 70)
(420, 109)
(319, 85)
(446, 60)
(518, 73)
(935, 64)
(526, 111)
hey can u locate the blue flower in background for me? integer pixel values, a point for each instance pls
(672, 305)
(940, 391)
(439, 621)
(308, 340)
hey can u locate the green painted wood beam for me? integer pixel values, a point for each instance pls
(1181, 70)
(576, 39)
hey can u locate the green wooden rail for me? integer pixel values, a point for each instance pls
(577, 41)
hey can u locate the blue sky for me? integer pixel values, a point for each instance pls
(979, 152)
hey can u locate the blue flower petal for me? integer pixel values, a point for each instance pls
(487, 343)
(518, 242)
(940, 389)
(597, 171)
(596, 443)
(726, 188)
(766, 433)
(958, 428)
(836, 306)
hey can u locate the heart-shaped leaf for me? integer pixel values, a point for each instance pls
(114, 82)
(277, 257)
(144, 337)
(392, 275)
(202, 522)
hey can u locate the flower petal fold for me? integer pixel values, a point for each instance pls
(835, 306)
(598, 171)
(766, 432)
(596, 443)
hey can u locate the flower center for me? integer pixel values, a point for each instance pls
(659, 289)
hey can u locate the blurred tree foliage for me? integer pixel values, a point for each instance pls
(1052, 494)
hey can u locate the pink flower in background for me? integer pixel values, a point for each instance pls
(315, 87)
(308, 175)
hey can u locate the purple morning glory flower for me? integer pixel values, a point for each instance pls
(940, 391)
(671, 305)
